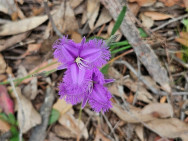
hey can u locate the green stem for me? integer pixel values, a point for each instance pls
(19, 80)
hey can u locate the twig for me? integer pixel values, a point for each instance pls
(138, 85)
(51, 19)
(182, 116)
(169, 22)
(20, 106)
(110, 126)
(154, 90)
(39, 132)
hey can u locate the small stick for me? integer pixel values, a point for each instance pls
(51, 19)
(169, 22)
(20, 106)
(138, 85)
(110, 126)
(154, 90)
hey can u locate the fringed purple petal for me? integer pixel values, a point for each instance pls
(65, 50)
(98, 77)
(95, 52)
(99, 99)
(74, 91)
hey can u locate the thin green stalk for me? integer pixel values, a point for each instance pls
(19, 80)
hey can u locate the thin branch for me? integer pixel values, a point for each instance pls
(110, 126)
(20, 106)
(169, 22)
(138, 85)
(149, 86)
(51, 19)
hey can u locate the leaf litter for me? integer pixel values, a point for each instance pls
(141, 103)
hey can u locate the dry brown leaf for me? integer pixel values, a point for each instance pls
(13, 40)
(30, 90)
(142, 93)
(63, 132)
(117, 90)
(53, 137)
(170, 3)
(92, 11)
(163, 99)
(2, 64)
(184, 35)
(31, 116)
(179, 55)
(75, 3)
(75, 126)
(140, 132)
(99, 136)
(146, 21)
(65, 19)
(157, 16)
(103, 18)
(186, 3)
(8, 6)
(75, 36)
(144, 2)
(5, 127)
(134, 8)
(21, 26)
(136, 115)
(182, 41)
(62, 106)
(164, 110)
(32, 48)
(170, 128)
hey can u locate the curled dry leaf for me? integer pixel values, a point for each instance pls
(30, 91)
(92, 11)
(63, 132)
(2, 64)
(146, 21)
(183, 39)
(157, 16)
(75, 126)
(134, 7)
(170, 3)
(8, 6)
(5, 127)
(140, 132)
(144, 2)
(62, 106)
(6, 103)
(21, 26)
(13, 40)
(65, 19)
(75, 3)
(29, 117)
(146, 114)
(75, 36)
(103, 18)
(170, 128)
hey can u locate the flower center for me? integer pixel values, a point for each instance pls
(80, 62)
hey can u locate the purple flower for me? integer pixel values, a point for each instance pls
(93, 53)
(97, 95)
(82, 80)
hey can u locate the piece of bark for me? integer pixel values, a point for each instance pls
(39, 132)
(143, 50)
